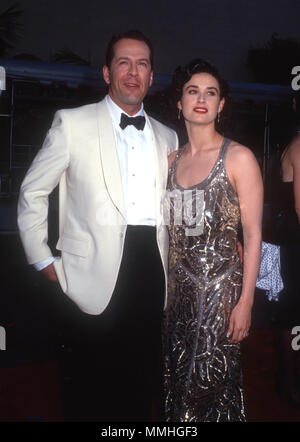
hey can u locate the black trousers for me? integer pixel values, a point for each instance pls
(287, 309)
(112, 365)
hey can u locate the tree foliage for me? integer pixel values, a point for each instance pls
(67, 56)
(10, 28)
(272, 63)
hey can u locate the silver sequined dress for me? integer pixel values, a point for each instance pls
(203, 380)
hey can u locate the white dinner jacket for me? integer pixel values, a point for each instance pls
(80, 154)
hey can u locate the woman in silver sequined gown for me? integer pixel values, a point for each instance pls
(213, 183)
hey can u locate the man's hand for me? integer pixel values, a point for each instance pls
(49, 273)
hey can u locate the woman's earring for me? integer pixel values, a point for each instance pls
(218, 119)
(179, 114)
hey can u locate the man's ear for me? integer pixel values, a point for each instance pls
(106, 74)
(151, 79)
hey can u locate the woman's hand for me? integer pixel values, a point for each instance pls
(240, 321)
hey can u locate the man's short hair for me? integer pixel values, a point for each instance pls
(134, 35)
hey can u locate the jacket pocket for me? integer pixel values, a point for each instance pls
(75, 246)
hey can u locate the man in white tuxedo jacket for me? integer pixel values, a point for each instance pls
(110, 161)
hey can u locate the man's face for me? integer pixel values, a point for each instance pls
(130, 74)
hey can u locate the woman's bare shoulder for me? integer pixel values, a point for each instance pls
(237, 152)
(294, 148)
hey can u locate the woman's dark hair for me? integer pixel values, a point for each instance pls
(197, 66)
(134, 35)
(296, 97)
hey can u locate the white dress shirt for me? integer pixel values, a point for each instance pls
(135, 150)
(136, 160)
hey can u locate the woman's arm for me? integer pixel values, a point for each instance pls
(295, 160)
(246, 177)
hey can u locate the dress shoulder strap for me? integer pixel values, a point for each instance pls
(176, 159)
(224, 148)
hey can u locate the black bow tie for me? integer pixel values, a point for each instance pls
(138, 122)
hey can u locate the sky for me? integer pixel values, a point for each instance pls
(219, 30)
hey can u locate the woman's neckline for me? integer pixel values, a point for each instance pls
(209, 174)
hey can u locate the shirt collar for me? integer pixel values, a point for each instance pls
(116, 111)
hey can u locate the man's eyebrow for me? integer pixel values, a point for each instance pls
(122, 58)
(128, 58)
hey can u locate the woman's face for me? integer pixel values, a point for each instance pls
(200, 101)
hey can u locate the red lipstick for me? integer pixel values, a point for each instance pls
(200, 110)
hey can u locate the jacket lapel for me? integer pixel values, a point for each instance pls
(109, 157)
(161, 166)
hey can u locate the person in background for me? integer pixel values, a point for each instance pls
(287, 309)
